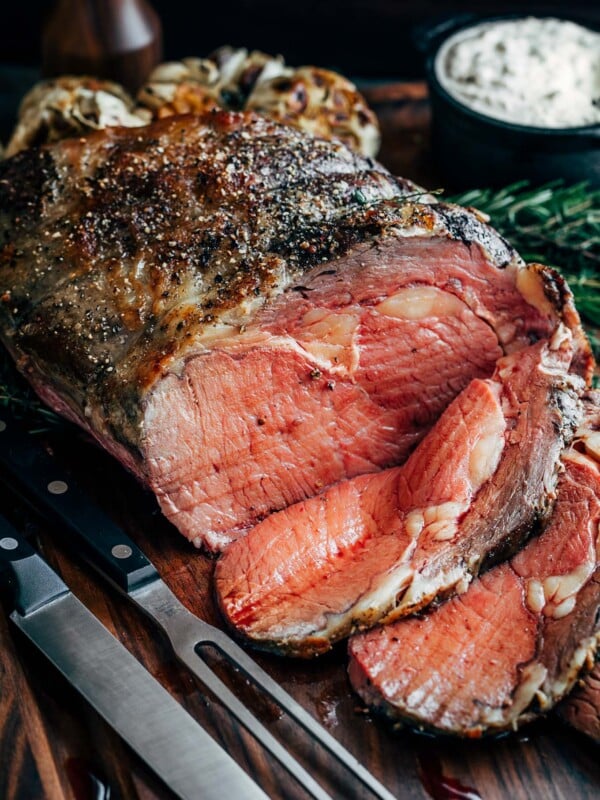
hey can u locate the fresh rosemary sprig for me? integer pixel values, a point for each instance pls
(555, 224)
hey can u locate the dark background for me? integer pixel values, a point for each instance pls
(363, 38)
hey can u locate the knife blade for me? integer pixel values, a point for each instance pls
(121, 690)
(41, 480)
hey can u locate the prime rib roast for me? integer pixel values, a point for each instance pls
(253, 321)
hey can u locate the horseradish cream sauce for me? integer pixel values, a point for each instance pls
(543, 72)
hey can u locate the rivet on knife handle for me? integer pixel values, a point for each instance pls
(39, 479)
(31, 581)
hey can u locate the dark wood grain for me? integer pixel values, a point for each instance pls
(54, 747)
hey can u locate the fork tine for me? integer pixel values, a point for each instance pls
(263, 680)
(187, 633)
(246, 718)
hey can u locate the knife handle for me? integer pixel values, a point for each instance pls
(31, 581)
(41, 481)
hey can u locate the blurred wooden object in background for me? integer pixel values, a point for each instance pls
(404, 114)
(360, 38)
(120, 40)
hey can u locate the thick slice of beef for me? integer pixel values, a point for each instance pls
(581, 709)
(244, 314)
(380, 546)
(514, 643)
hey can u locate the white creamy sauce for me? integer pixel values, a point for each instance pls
(531, 71)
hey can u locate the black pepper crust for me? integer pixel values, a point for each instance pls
(119, 249)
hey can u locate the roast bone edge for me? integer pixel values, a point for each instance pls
(581, 709)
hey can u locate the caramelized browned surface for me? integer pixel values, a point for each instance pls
(131, 259)
(118, 250)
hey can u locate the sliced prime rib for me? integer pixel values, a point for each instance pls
(244, 314)
(382, 545)
(515, 642)
(581, 709)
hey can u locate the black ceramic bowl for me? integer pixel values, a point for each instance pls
(472, 149)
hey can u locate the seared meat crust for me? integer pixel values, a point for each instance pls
(173, 266)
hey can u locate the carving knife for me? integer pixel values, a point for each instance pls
(121, 690)
(40, 480)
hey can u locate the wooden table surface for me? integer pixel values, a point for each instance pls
(53, 746)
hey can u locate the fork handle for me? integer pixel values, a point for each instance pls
(39, 479)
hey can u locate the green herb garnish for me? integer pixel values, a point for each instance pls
(359, 197)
